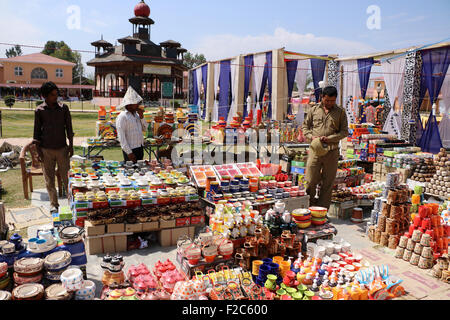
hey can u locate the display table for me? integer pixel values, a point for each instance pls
(92, 151)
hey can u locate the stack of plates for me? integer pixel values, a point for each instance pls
(28, 270)
(302, 218)
(72, 279)
(29, 291)
(55, 264)
(5, 295)
(4, 277)
(57, 292)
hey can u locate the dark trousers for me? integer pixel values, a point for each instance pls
(138, 153)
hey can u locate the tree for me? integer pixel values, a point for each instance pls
(14, 51)
(62, 51)
(193, 60)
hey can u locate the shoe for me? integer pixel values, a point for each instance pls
(54, 209)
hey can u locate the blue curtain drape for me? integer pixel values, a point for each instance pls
(291, 68)
(269, 75)
(435, 67)
(364, 68)
(318, 71)
(196, 89)
(224, 85)
(205, 86)
(248, 61)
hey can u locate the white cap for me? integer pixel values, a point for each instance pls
(131, 97)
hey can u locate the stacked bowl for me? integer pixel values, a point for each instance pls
(302, 217)
(319, 215)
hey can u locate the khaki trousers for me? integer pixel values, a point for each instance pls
(53, 157)
(321, 170)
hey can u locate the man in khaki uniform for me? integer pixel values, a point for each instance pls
(325, 125)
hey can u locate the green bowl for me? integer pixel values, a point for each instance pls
(291, 291)
(302, 288)
(281, 292)
(297, 296)
(309, 294)
(272, 277)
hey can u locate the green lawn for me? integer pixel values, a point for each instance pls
(12, 195)
(20, 124)
(86, 105)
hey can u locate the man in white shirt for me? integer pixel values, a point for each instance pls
(130, 126)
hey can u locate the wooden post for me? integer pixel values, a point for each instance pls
(209, 97)
(341, 87)
(2, 218)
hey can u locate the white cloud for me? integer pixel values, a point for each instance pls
(216, 47)
(415, 19)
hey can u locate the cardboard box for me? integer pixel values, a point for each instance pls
(94, 246)
(109, 244)
(177, 234)
(135, 228)
(191, 232)
(115, 228)
(150, 226)
(120, 243)
(198, 220)
(183, 222)
(165, 238)
(167, 224)
(92, 230)
(106, 244)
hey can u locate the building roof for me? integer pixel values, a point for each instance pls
(129, 39)
(142, 20)
(101, 43)
(182, 50)
(170, 43)
(39, 58)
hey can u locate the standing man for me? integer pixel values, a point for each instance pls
(325, 125)
(130, 127)
(52, 128)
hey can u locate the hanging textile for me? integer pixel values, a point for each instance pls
(205, 87)
(234, 88)
(224, 93)
(195, 84)
(393, 124)
(269, 82)
(394, 76)
(248, 61)
(303, 68)
(364, 68)
(291, 70)
(444, 105)
(444, 126)
(258, 74)
(318, 71)
(423, 92)
(435, 67)
(191, 87)
(199, 86)
(351, 89)
(215, 113)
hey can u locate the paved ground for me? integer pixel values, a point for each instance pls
(419, 284)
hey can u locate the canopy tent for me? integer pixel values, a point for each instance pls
(297, 72)
(234, 73)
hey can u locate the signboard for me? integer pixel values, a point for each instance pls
(155, 69)
(167, 89)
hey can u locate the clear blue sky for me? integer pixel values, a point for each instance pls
(221, 29)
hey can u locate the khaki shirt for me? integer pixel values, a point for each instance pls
(333, 125)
